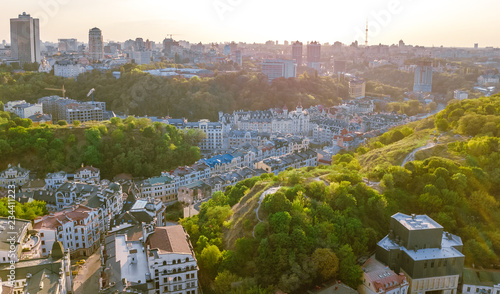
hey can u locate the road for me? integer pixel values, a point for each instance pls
(87, 280)
(261, 198)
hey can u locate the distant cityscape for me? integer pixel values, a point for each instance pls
(118, 225)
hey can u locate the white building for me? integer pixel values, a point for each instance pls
(142, 57)
(480, 281)
(51, 275)
(14, 175)
(88, 174)
(77, 228)
(171, 260)
(279, 68)
(460, 95)
(7, 227)
(185, 175)
(162, 188)
(54, 180)
(68, 69)
(22, 109)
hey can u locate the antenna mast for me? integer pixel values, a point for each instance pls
(366, 38)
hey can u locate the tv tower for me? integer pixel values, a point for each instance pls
(366, 38)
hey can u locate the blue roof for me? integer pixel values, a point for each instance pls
(218, 159)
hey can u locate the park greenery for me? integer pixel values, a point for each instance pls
(28, 210)
(139, 93)
(324, 220)
(135, 146)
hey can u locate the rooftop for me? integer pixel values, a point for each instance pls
(171, 239)
(416, 222)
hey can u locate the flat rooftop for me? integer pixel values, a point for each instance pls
(416, 222)
(421, 254)
(132, 271)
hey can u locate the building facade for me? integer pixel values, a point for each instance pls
(25, 39)
(96, 46)
(279, 68)
(14, 176)
(423, 77)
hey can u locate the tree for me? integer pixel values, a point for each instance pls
(62, 122)
(210, 258)
(76, 123)
(326, 262)
(223, 282)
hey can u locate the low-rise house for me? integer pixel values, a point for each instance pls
(14, 176)
(162, 188)
(194, 192)
(77, 228)
(41, 118)
(488, 80)
(55, 180)
(480, 281)
(276, 165)
(12, 233)
(41, 195)
(153, 208)
(379, 279)
(88, 174)
(33, 185)
(50, 275)
(185, 175)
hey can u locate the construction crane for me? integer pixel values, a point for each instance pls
(61, 90)
(91, 92)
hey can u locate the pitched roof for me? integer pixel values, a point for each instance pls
(171, 239)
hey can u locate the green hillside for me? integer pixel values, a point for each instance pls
(134, 146)
(321, 220)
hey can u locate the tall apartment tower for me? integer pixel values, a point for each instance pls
(429, 257)
(96, 48)
(314, 55)
(423, 77)
(25, 38)
(297, 52)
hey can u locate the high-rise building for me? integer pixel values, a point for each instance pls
(279, 68)
(96, 47)
(423, 77)
(25, 38)
(297, 52)
(418, 247)
(313, 52)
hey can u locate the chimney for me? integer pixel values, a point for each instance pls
(413, 216)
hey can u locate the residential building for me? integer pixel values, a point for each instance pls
(314, 55)
(460, 95)
(194, 192)
(213, 130)
(55, 180)
(378, 279)
(77, 228)
(142, 57)
(9, 105)
(68, 45)
(88, 174)
(171, 260)
(430, 258)
(279, 68)
(51, 275)
(13, 236)
(488, 80)
(154, 208)
(480, 281)
(70, 109)
(96, 46)
(423, 77)
(162, 188)
(40, 118)
(357, 88)
(185, 175)
(23, 109)
(14, 175)
(276, 165)
(68, 69)
(25, 39)
(297, 52)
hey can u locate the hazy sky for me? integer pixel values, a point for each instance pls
(459, 23)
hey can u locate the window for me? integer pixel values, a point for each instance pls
(468, 289)
(43, 242)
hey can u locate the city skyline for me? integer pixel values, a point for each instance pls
(422, 23)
